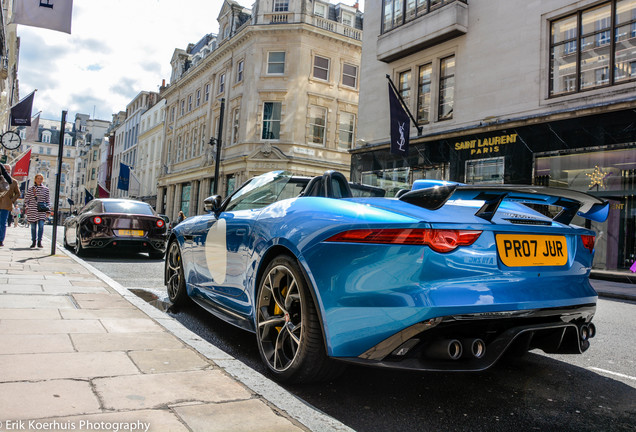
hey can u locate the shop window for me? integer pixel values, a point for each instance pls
(185, 199)
(321, 68)
(276, 63)
(317, 125)
(582, 47)
(271, 120)
(485, 171)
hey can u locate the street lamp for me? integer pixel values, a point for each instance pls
(218, 142)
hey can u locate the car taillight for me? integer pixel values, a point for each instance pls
(97, 220)
(440, 240)
(160, 223)
(588, 242)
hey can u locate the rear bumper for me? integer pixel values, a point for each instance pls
(140, 244)
(424, 346)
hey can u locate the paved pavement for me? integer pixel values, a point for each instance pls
(80, 352)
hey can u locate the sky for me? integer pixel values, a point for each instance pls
(116, 49)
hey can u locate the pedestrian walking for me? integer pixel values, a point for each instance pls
(8, 197)
(180, 218)
(38, 203)
(16, 214)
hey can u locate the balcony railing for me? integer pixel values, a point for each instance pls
(337, 27)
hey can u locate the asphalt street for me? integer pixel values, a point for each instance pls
(589, 392)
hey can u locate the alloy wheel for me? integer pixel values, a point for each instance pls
(279, 318)
(174, 271)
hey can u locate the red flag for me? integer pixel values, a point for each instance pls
(102, 192)
(21, 167)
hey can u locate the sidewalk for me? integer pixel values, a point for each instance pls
(80, 352)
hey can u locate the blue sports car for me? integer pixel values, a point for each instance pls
(445, 277)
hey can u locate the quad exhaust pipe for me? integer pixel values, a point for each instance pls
(454, 349)
(587, 331)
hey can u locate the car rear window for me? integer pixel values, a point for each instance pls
(128, 207)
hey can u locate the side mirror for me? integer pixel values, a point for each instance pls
(213, 203)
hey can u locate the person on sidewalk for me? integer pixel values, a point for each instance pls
(37, 202)
(7, 199)
(16, 215)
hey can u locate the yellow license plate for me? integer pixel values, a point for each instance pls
(130, 233)
(516, 250)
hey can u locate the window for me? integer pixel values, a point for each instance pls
(172, 112)
(276, 63)
(185, 199)
(182, 106)
(92, 173)
(189, 103)
(350, 75)
(94, 155)
(347, 19)
(281, 5)
(317, 125)
(582, 48)
(239, 71)
(319, 10)
(48, 150)
(346, 125)
(399, 12)
(235, 126)
(321, 68)
(424, 93)
(207, 93)
(198, 98)
(446, 88)
(221, 83)
(404, 86)
(271, 120)
(46, 137)
(485, 171)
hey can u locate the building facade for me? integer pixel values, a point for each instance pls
(126, 141)
(151, 134)
(553, 105)
(9, 54)
(278, 85)
(44, 159)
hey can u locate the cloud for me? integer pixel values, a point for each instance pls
(126, 87)
(94, 67)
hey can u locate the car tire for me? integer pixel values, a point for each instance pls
(174, 276)
(288, 331)
(79, 250)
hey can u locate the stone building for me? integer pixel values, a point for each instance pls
(283, 78)
(126, 140)
(151, 132)
(518, 92)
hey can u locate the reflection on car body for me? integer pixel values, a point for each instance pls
(122, 224)
(322, 273)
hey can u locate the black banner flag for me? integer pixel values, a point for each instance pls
(21, 112)
(400, 125)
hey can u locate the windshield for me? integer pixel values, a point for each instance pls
(128, 207)
(260, 191)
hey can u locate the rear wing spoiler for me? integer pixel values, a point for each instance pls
(572, 202)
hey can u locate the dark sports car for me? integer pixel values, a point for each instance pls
(447, 277)
(123, 224)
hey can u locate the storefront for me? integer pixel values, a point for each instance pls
(595, 154)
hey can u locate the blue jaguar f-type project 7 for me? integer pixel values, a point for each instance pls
(445, 277)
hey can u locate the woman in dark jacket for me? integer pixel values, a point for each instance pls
(37, 194)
